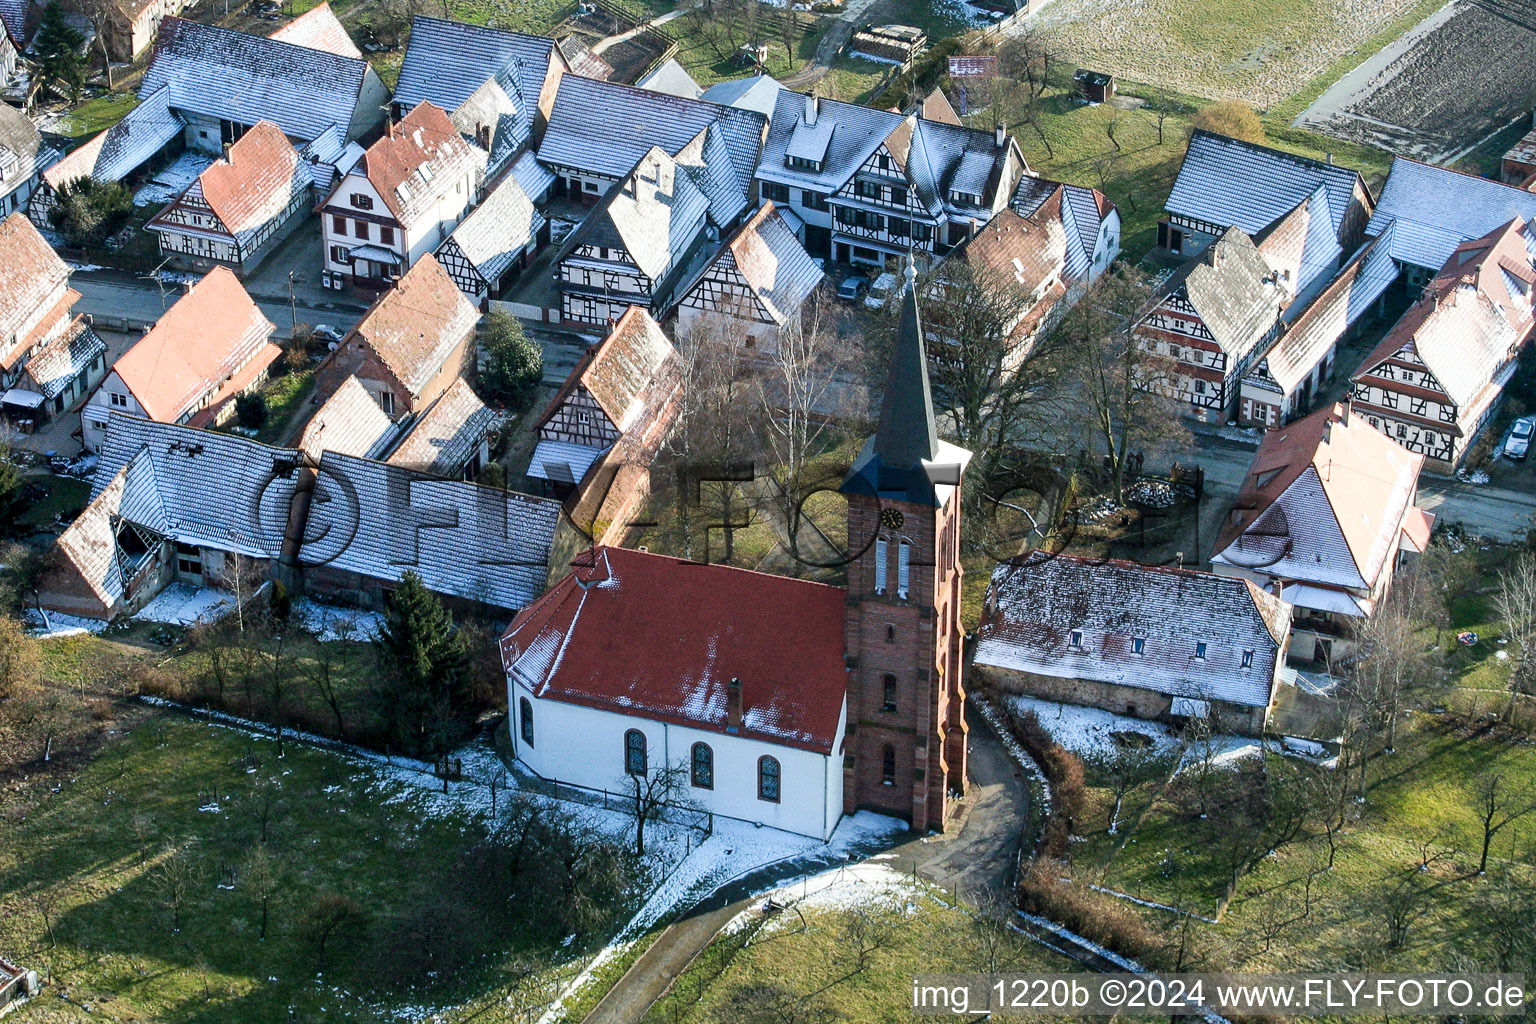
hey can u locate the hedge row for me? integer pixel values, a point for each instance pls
(1063, 770)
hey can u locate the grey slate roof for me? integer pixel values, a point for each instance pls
(1226, 285)
(1033, 608)
(478, 543)
(65, 358)
(117, 152)
(1232, 183)
(1081, 216)
(671, 78)
(443, 439)
(655, 228)
(940, 158)
(350, 421)
(13, 17)
(222, 73)
(504, 113)
(533, 176)
(498, 230)
(201, 487)
(1435, 209)
(446, 61)
(604, 128)
(758, 92)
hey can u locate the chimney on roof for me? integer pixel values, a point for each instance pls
(812, 107)
(1277, 587)
(733, 706)
(1343, 414)
(999, 135)
(1330, 158)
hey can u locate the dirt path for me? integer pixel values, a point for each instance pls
(978, 856)
(837, 35)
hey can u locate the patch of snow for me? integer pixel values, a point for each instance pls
(82, 268)
(182, 604)
(1088, 733)
(332, 622)
(53, 625)
(1473, 476)
(173, 180)
(1117, 894)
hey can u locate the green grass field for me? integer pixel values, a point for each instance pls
(131, 888)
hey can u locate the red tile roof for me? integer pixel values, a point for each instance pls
(255, 181)
(207, 337)
(618, 370)
(418, 323)
(661, 638)
(33, 272)
(319, 29)
(425, 137)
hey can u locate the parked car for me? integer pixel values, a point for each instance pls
(880, 291)
(328, 332)
(853, 286)
(1519, 441)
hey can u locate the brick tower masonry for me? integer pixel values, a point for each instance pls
(906, 740)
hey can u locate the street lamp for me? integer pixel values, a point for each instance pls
(293, 308)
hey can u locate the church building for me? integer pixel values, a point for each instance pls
(767, 699)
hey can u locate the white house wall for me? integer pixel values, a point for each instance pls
(585, 747)
(93, 417)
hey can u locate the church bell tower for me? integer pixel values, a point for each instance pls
(905, 751)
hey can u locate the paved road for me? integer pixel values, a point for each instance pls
(977, 855)
(109, 293)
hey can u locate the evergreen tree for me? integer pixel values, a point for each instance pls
(58, 51)
(513, 365)
(90, 211)
(427, 664)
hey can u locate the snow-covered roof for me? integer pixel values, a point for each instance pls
(671, 78)
(115, 153)
(1324, 502)
(562, 462)
(221, 73)
(498, 230)
(656, 215)
(350, 421)
(758, 92)
(1434, 209)
(478, 543)
(1231, 183)
(444, 439)
(65, 358)
(319, 29)
(1171, 631)
(446, 61)
(23, 153)
(495, 120)
(662, 639)
(1230, 286)
(771, 262)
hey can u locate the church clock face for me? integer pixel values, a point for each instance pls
(891, 518)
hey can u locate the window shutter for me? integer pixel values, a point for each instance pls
(880, 565)
(903, 569)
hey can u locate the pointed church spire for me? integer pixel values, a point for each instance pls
(907, 435)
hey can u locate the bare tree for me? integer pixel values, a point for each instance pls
(329, 916)
(1497, 806)
(173, 878)
(1516, 605)
(1128, 767)
(651, 792)
(1029, 58)
(242, 576)
(1120, 384)
(261, 879)
(1392, 670)
(45, 901)
(326, 669)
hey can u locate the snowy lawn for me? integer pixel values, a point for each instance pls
(334, 622)
(1090, 732)
(173, 180)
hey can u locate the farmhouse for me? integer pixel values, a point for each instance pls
(776, 701)
(50, 356)
(401, 200)
(447, 61)
(449, 439)
(1141, 640)
(638, 246)
(1219, 312)
(24, 156)
(1282, 385)
(213, 345)
(1436, 379)
(1226, 183)
(598, 131)
(239, 208)
(870, 186)
(223, 83)
(492, 245)
(1327, 512)
(412, 344)
(624, 384)
(758, 279)
(1090, 221)
(148, 130)
(1436, 209)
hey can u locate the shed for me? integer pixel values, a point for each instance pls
(1094, 86)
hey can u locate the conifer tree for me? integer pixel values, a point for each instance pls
(57, 49)
(427, 664)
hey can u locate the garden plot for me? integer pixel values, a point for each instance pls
(1259, 52)
(1456, 78)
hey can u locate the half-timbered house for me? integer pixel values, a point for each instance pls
(492, 245)
(1218, 314)
(213, 345)
(758, 279)
(24, 156)
(49, 356)
(608, 393)
(1437, 377)
(1284, 383)
(400, 200)
(1327, 514)
(412, 344)
(637, 246)
(450, 438)
(240, 207)
(1090, 220)
(869, 186)
(1225, 183)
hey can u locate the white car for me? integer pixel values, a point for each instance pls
(1519, 441)
(880, 290)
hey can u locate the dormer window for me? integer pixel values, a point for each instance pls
(1247, 659)
(801, 163)
(964, 198)
(1139, 645)
(1200, 651)
(1076, 640)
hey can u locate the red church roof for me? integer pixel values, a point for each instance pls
(661, 638)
